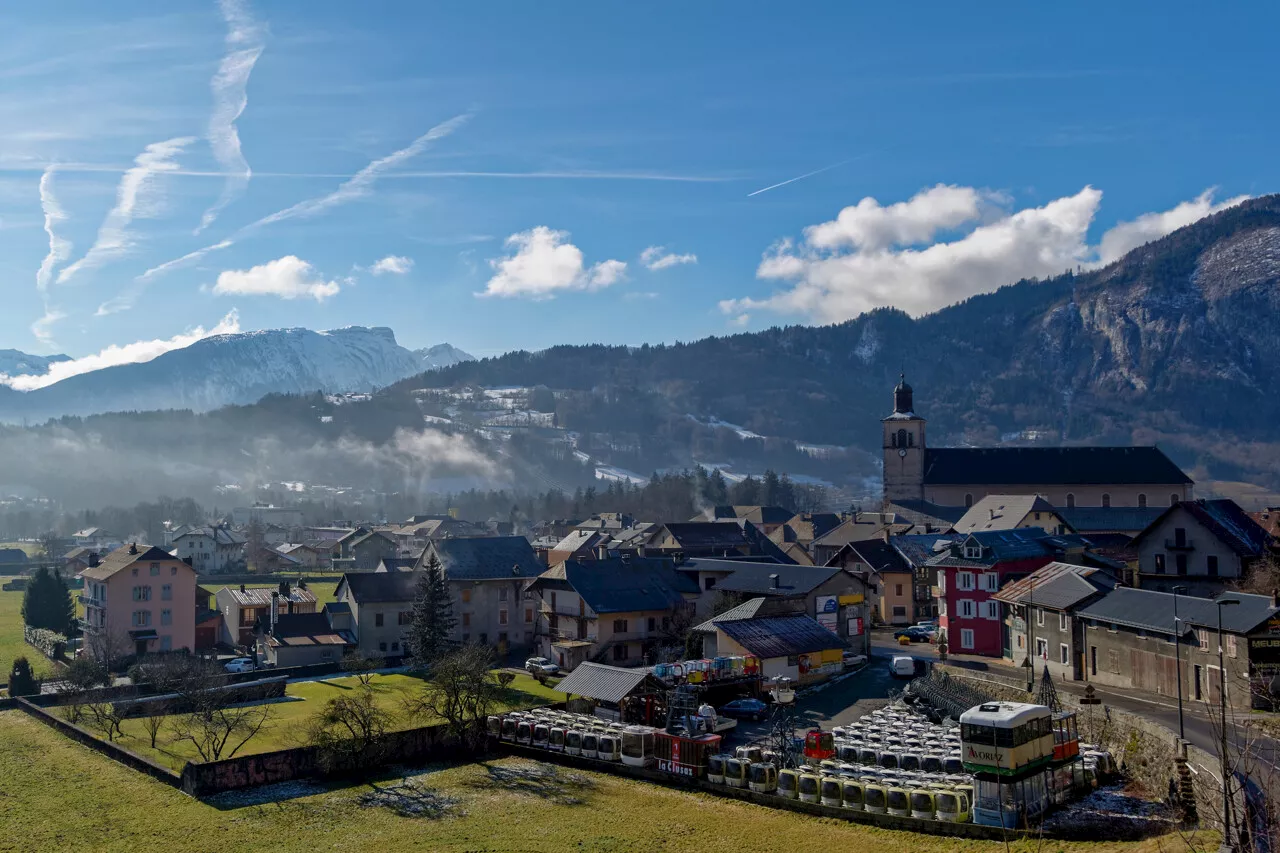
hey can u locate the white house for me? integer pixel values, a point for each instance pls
(211, 549)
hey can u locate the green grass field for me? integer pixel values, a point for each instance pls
(287, 724)
(11, 643)
(56, 795)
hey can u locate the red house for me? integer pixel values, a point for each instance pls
(974, 568)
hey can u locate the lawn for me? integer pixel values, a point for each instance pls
(11, 643)
(57, 795)
(286, 727)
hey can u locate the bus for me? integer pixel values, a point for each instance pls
(1006, 738)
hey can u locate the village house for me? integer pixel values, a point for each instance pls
(619, 610)
(1133, 641)
(858, 528)
(208, 620)
(211, 550)
(1201, 545)
(790, 646)
(804, 528)
(1040, 616)
(377, 607)
(766, 519)
(74, 561)
(363, 552)
(307, 556)
(243, 608)
(916, 475)
(487, 577)
(890, 579)
(302, 639)
(1011, 512)
(95, 538)
(138, 600)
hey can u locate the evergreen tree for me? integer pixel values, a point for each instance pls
(22, 681)
(770, 489)
(717, 488)
(432, 615)
(47, 602)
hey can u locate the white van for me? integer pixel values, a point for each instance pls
(902, 666)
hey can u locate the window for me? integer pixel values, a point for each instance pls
(1021, 641)
(395, 647)
(377, 620)
(1160, 565)
(1064, 622)
(135, 573)
(502, 594)
(1064, 654)
(1071, 501)
(155, 568)
(1180, 563)
(1042, 648)
(620, 652)
(966, 638)
(1142, 501)
(968, 500)
(992, 610)
(166, 592)
(1231, 645)
(142, 593)
(553, 600)
(708, 583)
(1202, 635)
(528, 614)
(966, 608)
(1113, 660)
(1211, 565)
(1180, 537)
(502, 638)
(899, 611)
(502, 616)
(382, 647)
(166, 643)
(466, 597)
(619, 626)
(166, 617)
(1106, 500)
(173, 570)
(141, 618)
(666, 623)
(466, 620)
(404, 617)
(653, 624)
(991, 581)
(942, 583)
(1040, 617)
(964, 581)
(897, 589)
(972, 551)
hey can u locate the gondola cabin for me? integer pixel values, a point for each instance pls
(637, 746)
(1066, 740)
(1006, 738)
(684, 755)
(819, 745)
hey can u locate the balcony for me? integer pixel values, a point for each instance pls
(91, 602)
(1175, 545)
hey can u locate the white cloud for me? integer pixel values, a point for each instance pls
(289, 277)
(59, 252)
(43, 327)
(1127, 236)
(392, 265)
(544, 263)
(112, 356)
(229, 84)
(136, 196)
(871, 256)
(654, 258)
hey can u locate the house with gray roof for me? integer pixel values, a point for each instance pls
(377, 608)
(1133, 639)
(487, 578)
(1040, 615)
(790, 645)
(1203, 545)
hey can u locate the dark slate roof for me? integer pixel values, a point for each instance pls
(397, 564)
(919, 548)
(753, 578)
(1000, 546)
(623, 585)
(754, 608)
(880, 555)
(1050, 465)
(707, 534)
(485, 558)
(927, 512)
(1234, 527)
(607, 683)
(780, 636)
(1109, 519)
(337, 607)
(1058, 586)
(1153, 611)
(366, 587)
(301, 625)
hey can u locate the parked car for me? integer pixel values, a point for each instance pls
(745, 709)
(849, 657)
(541, 666)
(902, 666)
(239, 665)
(914, 634)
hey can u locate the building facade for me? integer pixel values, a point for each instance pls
(138, 600)
(211, 550)
(1202, 546)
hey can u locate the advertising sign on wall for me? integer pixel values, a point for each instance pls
(826, 604)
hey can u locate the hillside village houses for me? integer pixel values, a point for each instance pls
(244, 608)
(138, 600)
(211, 550)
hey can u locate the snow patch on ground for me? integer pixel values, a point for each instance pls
(620, 475)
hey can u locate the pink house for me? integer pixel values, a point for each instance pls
(138, 600)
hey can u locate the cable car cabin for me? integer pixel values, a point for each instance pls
(494, 725)
(830, 792)
(1006, 738)
(715, 768)
(735, 772)
(684, 755)
(590, 744)
(1066, 740)
(897, 802)
(541, 734)
(762, 778)
(953, 806)
(573, 742)
(789, 783)
(609, 747)
(637, 746)
(852, 793)
(809, 787)
(819, 745)
(923, 803)
(509, 728)
(557, 739)
(874, 796)
(752, 754)
(524, 731)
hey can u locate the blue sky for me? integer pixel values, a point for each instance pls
(965, 150)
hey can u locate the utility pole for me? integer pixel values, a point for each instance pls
(1177, 651)
(1228, 845)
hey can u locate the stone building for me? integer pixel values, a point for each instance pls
(1201, 546)
(487, 578)
(1040, 616)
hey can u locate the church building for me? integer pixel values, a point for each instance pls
(919, 478)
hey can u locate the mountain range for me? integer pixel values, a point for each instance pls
(223, 370)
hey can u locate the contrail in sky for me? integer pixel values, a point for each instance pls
(806, 175)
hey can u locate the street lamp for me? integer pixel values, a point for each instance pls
(1227, 845)
(1177, 651)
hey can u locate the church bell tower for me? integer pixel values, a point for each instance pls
(904, 447)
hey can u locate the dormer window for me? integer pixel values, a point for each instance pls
(972, 551)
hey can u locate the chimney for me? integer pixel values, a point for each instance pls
(133, 548)
(93, 559)
(242, 589)
(886, 533)
(773, 580)
(992, 511)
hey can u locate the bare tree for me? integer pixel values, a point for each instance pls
(460, 692)
(153, 720)
(211, 720)
(360, 666)
(347, 732)
(108, 647)
(105, 717)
